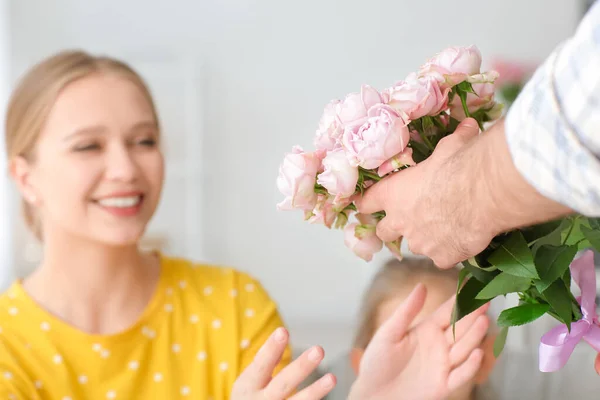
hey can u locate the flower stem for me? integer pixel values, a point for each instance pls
(463, 100)
(439, 124)
(370, 174)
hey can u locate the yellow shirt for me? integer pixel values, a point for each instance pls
(202, 327)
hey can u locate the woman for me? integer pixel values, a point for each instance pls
(98, 318)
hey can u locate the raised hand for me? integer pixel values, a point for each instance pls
(424, 362)
(257, 383)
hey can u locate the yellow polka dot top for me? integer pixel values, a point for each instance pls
(202, 327)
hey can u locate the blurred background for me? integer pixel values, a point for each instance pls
(238, 83)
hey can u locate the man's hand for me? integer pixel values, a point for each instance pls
(450, 206)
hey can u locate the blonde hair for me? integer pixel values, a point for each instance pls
(393, 277)
(33, 99)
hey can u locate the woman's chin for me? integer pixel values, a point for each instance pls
(123, 238)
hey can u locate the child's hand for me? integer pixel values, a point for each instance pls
(424, 362)
(256, 382)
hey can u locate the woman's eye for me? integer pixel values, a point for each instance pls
(87, 147)
(148, 142)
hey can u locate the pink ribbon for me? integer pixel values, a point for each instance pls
(557, 345)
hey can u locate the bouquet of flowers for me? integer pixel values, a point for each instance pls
(371, 134)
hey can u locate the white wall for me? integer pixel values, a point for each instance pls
(6, 259)
(271, 66)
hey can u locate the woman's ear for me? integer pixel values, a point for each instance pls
(356, 355)
(20, 171)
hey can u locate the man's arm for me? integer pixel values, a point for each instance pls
(553, 128)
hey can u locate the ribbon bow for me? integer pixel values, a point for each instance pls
(557, 345)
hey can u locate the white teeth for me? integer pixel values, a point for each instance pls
(120, 202)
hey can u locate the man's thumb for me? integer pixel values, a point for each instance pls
(467, 129)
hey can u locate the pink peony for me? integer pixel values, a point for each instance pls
(330, 127)
(297, 178)
(399, 160)
(362, 240)
(353, 110)
(453, 65)
(339, 177)
(417, 97)
(383, 135)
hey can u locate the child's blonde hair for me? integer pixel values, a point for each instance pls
(33, 99)
(393, 277)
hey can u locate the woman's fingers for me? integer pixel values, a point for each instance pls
(317, 390)
(258, 374)
(284, 384)
(469, 341)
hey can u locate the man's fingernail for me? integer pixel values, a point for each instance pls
(470, 123)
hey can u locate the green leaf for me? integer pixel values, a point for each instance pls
(574, 235)
(427, 123)
(503, 284)
(462, 275)
(553, 238)
(482, 275)
(421, 152)
(500, 341)
(592, 235)
(551, 263)
(539, 231)
(466, 301)
(466, 87)
(567, 279)
(594, 223)
(453, 124)
(522, 314)
(559, 299)
(514, 257)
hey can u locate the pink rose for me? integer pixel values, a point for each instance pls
(330, 127)
(297, 178)
(353, 110)
(453, 65)
(399, 160)
(362, 240)
(339, 177)
(383, 135)
(482, 98)
(417, 97)
(327, 210)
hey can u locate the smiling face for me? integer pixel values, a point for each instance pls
(96, 171)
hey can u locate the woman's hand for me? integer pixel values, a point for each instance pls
(256, 381)
(424, 362)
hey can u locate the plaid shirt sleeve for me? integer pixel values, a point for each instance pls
(553, 128)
